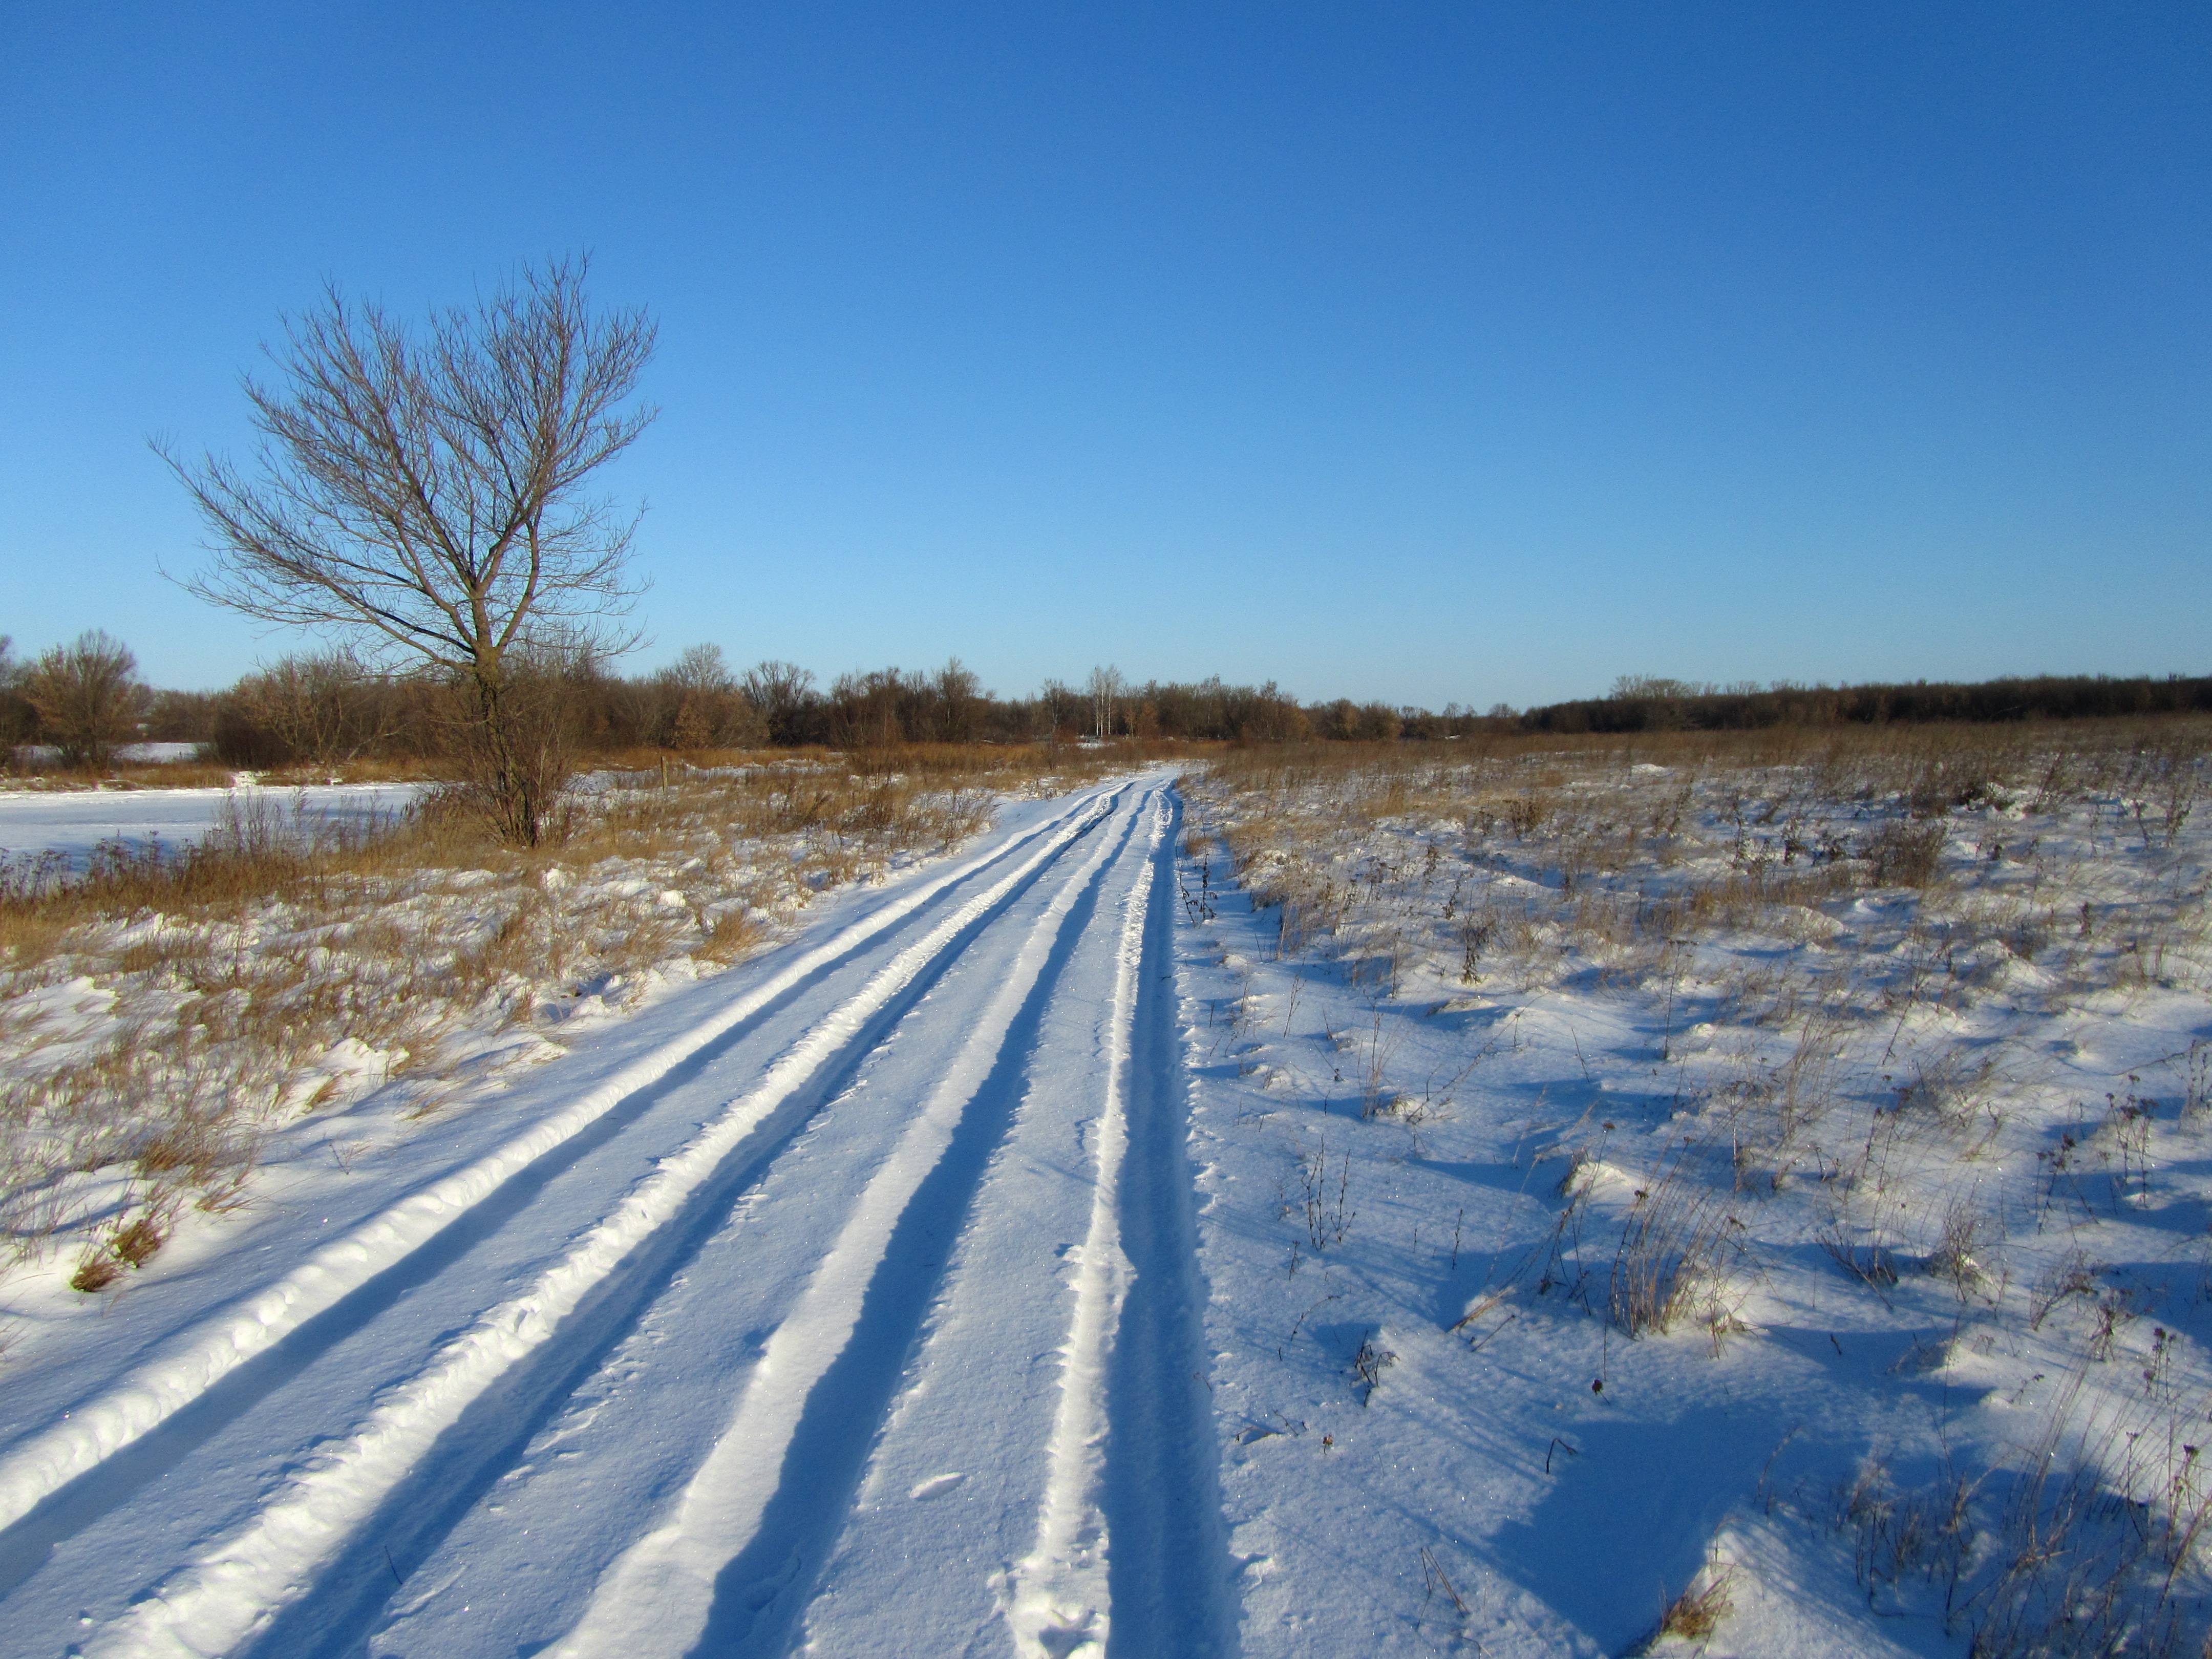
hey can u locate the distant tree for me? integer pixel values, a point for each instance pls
(701, 705)
(87, 698)
(1380, 723)
(1628, 688)
(960, 695)
(1106, 688)
(1060, 711)
(181, 717)
(16, 716)
(782, 695)
(865, 708)
(324, 708)
(422, 492)
(1264, 715)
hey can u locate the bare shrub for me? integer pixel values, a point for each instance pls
(1867, 1260)
(1368, 1366)
(1927, 1533)
(322, 706)
(86, 698)
(2073, 1274)
(1905, 854)
(1957, 1257)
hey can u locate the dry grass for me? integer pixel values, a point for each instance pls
(1578, 854)
(2096, 1550)
(1697, 1613)
(1680, 1254)
(1862, 955)
(279, 964)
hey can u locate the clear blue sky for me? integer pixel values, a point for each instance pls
(1467, 352)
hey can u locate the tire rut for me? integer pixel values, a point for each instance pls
(468, 1449)
(729, 1571)
(55, 1481)
(1169, 1572)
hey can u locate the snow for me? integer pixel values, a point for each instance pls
(1410, 1247)
(73, 822)
(130, 754)
(194, 1361)
(1427, 1204)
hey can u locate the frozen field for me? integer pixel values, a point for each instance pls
(1379, 1203)
(73, 822)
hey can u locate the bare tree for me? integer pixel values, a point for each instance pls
(420, 493)
(87, 696)
(701, 706)
(958, 694)
(16, 716)
(324, 708)
(1106, 688)
(780, 693)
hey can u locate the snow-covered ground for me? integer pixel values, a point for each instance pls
(159, 1025)
(71, 823)
(1525, 1193)
(1623, 1180)
(788, 1306)
(130, 754)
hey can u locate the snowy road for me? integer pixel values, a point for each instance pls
(846, 1303)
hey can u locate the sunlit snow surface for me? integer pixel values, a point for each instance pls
(73, 822)
(1031, 1253)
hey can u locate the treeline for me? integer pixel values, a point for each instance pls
(1647, 703)
(84, 699)
(328, 707)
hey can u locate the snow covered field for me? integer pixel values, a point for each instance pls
(130, 754)
(1366, 1202)
(71, 823)
(163, 1017)
(1783, 1180)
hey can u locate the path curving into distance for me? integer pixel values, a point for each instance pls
(858, 1316)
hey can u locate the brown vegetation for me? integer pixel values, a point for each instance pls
(232, 972)
(1852, 946)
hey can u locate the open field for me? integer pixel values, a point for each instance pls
(71, 824)
(1727, 1194)
(1766, 1178)
(784, 1309)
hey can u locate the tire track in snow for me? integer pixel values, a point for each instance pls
(713, 1575)
(193, 1361)
(232, 1590)
(1058, 1599)
(1169, 1572)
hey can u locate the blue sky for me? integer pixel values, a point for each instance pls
(1476, 352)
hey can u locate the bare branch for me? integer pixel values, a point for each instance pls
(423, 492)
